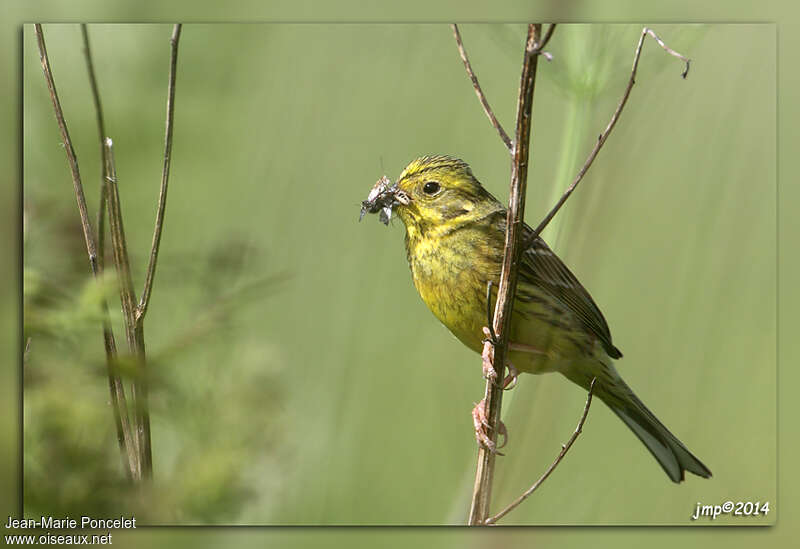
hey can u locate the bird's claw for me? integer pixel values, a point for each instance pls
(488, 357)
(489, 372)
(511, 379)
(482, 428)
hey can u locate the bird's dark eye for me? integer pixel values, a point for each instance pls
(431, 187)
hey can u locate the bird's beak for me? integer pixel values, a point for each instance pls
(383, 197)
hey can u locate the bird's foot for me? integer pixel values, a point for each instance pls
(488, 356)
(510, 381)
(481, 421)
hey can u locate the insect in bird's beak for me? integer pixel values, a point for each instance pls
(383, 197)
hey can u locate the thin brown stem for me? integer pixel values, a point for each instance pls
(133, 330)
(481, 496)
(564, 449)
(119, 402)
(604, 136)
(115, 385)
(101, 131)
(87, 52)
(119, 245)
(547, 36)
(479, 92)
(72, 159)
(162, 198)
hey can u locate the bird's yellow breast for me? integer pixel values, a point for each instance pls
(451, 271)
(452, 280)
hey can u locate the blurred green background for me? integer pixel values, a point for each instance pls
(298, 378)
(781, 12)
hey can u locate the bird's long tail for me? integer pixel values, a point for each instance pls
(670, 452)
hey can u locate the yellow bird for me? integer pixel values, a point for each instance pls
(455, 234)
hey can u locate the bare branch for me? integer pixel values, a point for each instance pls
(564, 449)
(119, 245)
(119, 402)
(87, 52)
(133, 331)
(162, 198)
(86, 225)
(101, 130)
(481, 496)
(547, 36)
(603, 136)
(479, 92)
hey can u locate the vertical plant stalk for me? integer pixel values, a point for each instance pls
(135, 320)
(119, 402)
(162, 197)
(72, 159)
(135, 313)
(133, 332)
(136, 448)
(481, 496)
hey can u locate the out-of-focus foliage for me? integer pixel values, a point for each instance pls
(298, 379)
(204, 430)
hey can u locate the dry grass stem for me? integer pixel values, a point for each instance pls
(162, 197)
(119, 402)
(484, 476)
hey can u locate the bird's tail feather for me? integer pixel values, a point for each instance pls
(670, 452)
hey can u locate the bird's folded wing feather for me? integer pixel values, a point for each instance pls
(541, 267)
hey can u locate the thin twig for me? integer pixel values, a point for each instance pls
(481, 496)
(119, 402)
(91, 248)
(564, 449)
(603, 136)
(133, 330)
(119, 245)
(162, 197)
(479, 92)
(86, 225)
(547, 36)
(101, 130)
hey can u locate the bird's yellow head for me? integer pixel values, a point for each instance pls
(433, 192)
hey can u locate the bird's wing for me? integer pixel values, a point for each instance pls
(541, 268)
